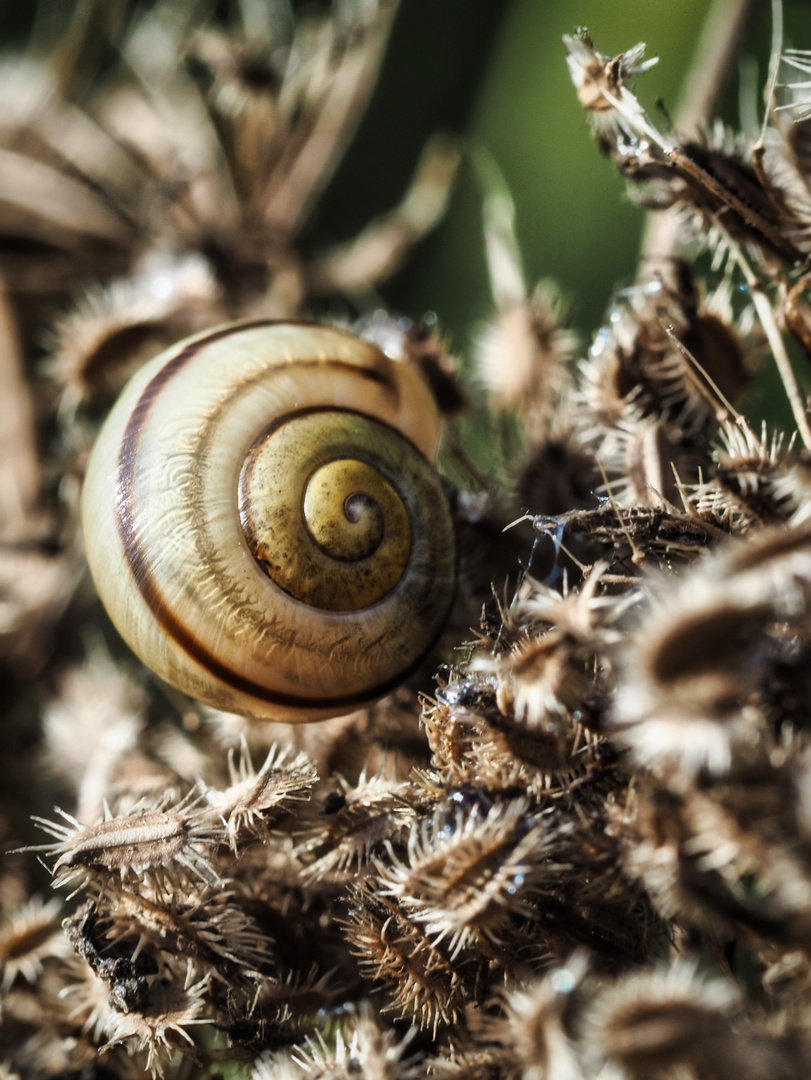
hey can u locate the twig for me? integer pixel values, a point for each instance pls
(719, 39)
(776, 344)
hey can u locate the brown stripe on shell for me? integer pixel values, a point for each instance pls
(136, 557)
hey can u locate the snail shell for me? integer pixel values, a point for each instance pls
(263, 522)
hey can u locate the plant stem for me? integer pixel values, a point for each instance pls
(719, 39)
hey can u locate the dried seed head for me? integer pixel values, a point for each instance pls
(698, 666)
(275, 1067)
(686, 702)
(729, 198)
(649, 831)
(254, 801)
(635, 536)
(663, 360)
(724, 853)
(369, 1053)
(467, 872)
(450, 730)
(469, 1063)
(85, 999)
(417, 344)
(796, 91)
(27, 937)
(112, 332)
(786, 161)
(548, 679)
(555, 679)
(585, 614)
(734, 191)
(522, 358)
(321, 743)
(479, 744)
(354, 823)
(601, 84)
(743, 848)
(168, 846)
(536, 1030)
(421, 981)
(559, 473)
(756, 482)
(655, 1020)
(160, 1027)
(211, 932)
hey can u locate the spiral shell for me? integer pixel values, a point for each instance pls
(264, 525)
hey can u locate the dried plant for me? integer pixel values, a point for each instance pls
(583, 848)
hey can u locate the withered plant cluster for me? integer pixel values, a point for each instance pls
(583, 849)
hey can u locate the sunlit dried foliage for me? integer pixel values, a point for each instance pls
(583, 849)
(369, 1052)
(254, 800)
(27, 936)
(423, 983)
(161, 844)
(352, 825)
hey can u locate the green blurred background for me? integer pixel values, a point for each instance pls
(497, 73)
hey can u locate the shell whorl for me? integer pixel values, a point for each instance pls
(263, 522)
